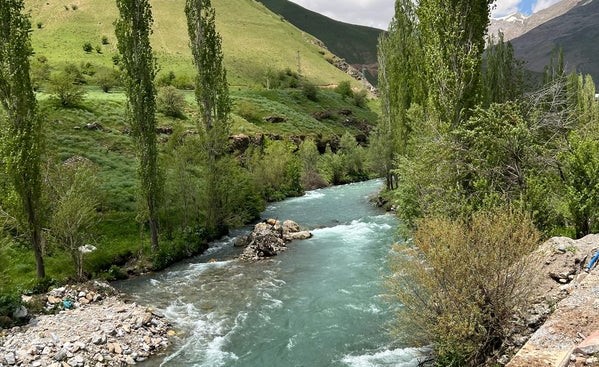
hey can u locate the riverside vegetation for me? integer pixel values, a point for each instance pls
(70, 188)
(481, 163)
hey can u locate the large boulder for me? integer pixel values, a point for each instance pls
(269, 238)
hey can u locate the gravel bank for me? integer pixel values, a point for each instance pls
(92, 327)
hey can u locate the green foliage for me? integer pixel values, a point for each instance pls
(344, 89)
(452, 35)
(581, 176)
(74, 191)
(310, 91)
(276, 171)
(360, 98)
(87, 47)
(8, 304)
(212, 96)
(107, 79)
(503, 74)
(309, 157)
(21, 135)
(105, 40)
(171, 102)
(65, 91)
(282, 79)
(461, 281)
(133, 29)
(40, 72)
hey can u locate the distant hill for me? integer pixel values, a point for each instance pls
(517, 24)
(255, 40)
(356, 44)
(576, 32)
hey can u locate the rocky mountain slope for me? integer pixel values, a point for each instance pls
(575, 31)
(517, 24)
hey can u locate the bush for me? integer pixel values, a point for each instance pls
(171, 102)
(165, 80)
(87, 47)
(248, 111)
(344, 89)
(105, 40)
(98, 49)
(74, 7)
(360, 98)
(63, 89)
(462, 281)
(40, 25)
(310, 91)
(8, 304)
(107, 79)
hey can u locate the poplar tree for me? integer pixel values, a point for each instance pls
(22, 134)
(133, 30)
(212, 95)
(453, 34)
(503, 75)
(399, 85)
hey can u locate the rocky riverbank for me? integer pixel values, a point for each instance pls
(86, 325)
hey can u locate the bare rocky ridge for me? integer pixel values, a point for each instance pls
(93, 327)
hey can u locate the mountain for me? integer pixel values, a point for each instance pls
(255, 40)
(517, 24)
(356, 44)
(575, 31)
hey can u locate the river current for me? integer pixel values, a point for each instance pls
(320, 303)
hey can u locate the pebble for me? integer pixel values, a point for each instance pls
(102, 330)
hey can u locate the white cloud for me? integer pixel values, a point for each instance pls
(502, 8)
(373, 13)
(543, 4)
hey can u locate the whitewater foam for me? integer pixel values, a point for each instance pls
(408, 357)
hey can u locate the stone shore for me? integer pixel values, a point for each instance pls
(92, 326)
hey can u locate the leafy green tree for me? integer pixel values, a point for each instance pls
(212, 96)
(344, 89)
(22, 135)
(452, 34)
(74, 191)
(581, 176)
(133, 29)
(309, 156)
(399, 85)
(503, 75)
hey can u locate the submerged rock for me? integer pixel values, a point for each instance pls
(269, 238)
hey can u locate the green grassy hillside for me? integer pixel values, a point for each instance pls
(356, 44)
(254, 39)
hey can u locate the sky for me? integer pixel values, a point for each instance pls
(378, 13)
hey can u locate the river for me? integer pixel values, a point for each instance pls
(320, 303)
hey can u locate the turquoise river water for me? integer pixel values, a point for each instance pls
(320, 303)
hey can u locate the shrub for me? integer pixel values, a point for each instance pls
(360, 98)
(310, 91)
(40, 25)
(87, 47)
(107, 79)
(344, 89)
(65, 91)
(74, 7)
(171, 102)
(105, 40)
(98, 49)
(248, 111)
(462, 281)
(116, 59)
(166, 79)
(8, 304)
